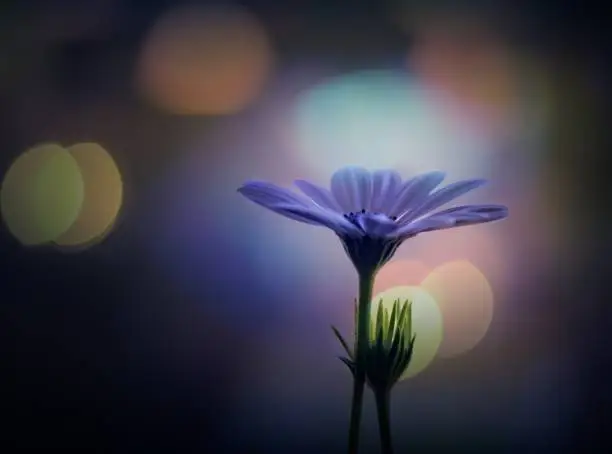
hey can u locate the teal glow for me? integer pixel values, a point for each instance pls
(382, 119)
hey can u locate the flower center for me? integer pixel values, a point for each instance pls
(358, 214)
(376, 244)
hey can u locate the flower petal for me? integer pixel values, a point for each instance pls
(424, 225)
(321, 196)
(385, 186)
(352, 188)
(415, 191)
(270, 195)
(376, 225)
(474, 214)
(319, 216)
(455, 217)
(442, 196)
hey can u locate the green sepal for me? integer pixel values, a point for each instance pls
(391, 345)
(345, 345)
(404, 360)
(350, 364)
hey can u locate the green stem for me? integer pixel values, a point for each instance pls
(383, 409)
(366, 282)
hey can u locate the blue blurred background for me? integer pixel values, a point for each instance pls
(147, 307)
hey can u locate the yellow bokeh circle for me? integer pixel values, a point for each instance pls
(103, 187)
(67, 196)
(465, 298)
(41, 195)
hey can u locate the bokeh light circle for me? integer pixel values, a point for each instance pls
(466, 59)
(426, 323)
(200, 60)
(103, 196)
(483, 246)
(465, 298)
(400, 273)
(382, 118)
(42, 194)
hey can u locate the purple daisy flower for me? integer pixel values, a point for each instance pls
(374, 212)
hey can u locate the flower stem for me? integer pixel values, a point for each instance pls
(366, 282)
(383, 410)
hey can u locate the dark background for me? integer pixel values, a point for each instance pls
(102, 351)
